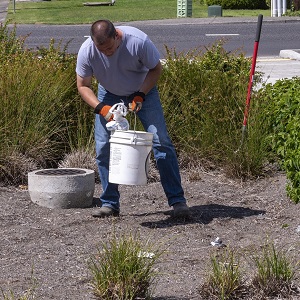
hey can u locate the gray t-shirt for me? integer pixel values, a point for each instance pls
(122, 73)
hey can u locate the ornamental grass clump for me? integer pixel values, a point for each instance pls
(275, 272)
(224, 280)
(123, 269)
(34, 97)
(42, 115)
(203, 95)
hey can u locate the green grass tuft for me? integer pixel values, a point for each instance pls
(123, 268)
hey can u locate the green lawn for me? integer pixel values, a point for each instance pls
(74, 12)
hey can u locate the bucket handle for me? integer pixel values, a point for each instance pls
(133, 139)
(147, 162)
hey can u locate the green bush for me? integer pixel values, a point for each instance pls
(239, 4)
(282, 109)
(203, 95)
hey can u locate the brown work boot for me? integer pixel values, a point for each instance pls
(104, 212)
(181, 210)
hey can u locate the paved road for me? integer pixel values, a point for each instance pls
(195, 33)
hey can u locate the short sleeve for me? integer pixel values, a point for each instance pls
(83, 66)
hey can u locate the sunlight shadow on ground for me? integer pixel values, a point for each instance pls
(204, 214)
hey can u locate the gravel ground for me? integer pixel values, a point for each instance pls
(53, 246)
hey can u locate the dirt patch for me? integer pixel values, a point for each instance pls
(56, 244)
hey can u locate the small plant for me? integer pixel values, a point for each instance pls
(224, 280)
(123, 269)
(29, 294)
(275, 272)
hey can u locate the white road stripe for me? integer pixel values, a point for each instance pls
(221, 34)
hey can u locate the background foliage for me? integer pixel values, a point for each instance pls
(203, 94)
(239, 4)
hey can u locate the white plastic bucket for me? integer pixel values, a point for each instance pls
(129, 157)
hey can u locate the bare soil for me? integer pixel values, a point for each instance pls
(54, 245)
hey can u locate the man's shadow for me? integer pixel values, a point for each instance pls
(204, 214)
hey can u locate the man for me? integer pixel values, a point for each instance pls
(126, 65)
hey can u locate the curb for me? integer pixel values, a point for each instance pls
(291, 54)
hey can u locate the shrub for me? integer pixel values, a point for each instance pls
(296, 5)
(282, 102)
(239, 4)
(34, 95)
(203, 95)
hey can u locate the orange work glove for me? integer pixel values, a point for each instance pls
(103, 110)
(137, 101)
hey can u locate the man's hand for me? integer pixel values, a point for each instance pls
(137, 101)
(103, 110)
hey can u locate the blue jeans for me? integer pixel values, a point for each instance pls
(152, 118)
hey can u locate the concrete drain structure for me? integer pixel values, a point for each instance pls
(62, 188)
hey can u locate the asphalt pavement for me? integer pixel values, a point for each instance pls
(285, 65)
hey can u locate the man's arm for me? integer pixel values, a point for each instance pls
(87, 94)
(151, 78)
(84, 89)
(149, 82)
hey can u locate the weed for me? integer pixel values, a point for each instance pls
(11, 296)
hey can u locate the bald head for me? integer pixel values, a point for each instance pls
(102, 30)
